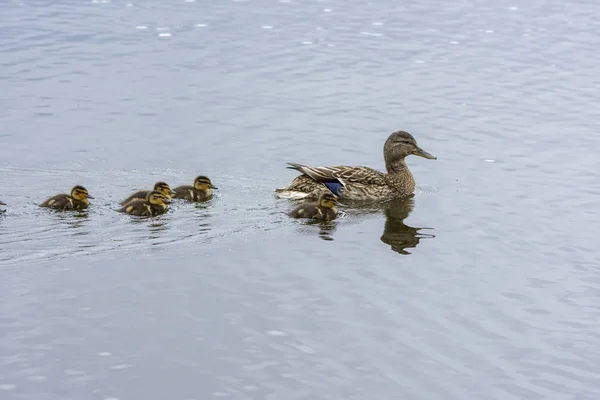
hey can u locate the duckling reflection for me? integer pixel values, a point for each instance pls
(75, 221)
(327, 229)
(155, 228)
(395, 232)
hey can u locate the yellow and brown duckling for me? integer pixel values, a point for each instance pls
(161, 187)
(202, 190)
(323, 210)
(154, 204)
(77, 200)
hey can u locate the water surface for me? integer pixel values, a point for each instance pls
(484, 285)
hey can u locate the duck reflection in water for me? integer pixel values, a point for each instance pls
(395, 232)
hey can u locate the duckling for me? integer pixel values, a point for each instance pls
(143, 194)
(77, 200)
(201, 191)
(2, 204)
(324, 210)
(154, 204)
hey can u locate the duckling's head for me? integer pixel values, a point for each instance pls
(203, 183)
(401, 144)
(164, 189)
(80, 193)
(328, 200)
(157, 198)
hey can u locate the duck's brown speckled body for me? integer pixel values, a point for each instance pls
(359, 182)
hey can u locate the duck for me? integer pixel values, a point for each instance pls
(162, 187)
(360, 182)
(2, 203)
(76, 200)
(155, 203)
(323, 210)
(202, 190)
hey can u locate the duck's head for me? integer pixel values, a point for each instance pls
(203, 183)
(164, 189)
(401, 144)
(80, 193)
(157, 198)
(328, 200)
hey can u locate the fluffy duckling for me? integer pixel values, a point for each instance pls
(77, 200)
(161, 187)
(324, 210)
(201, 191)
(154, 204)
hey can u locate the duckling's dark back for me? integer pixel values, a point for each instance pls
(139, 195)
(185, 192)
(63, 202)
(313, 211)
(137, 208)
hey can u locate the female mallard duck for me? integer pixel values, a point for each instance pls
(323, 210)
(201, 191)
(154, 204)
(361, 183)
(77, 200)
(143, 194)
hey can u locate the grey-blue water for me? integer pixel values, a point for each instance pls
(485, 286)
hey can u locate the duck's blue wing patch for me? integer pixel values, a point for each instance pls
(334, 187)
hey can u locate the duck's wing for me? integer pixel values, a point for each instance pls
(343, 174)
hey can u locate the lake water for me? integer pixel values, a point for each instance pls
(484, 286)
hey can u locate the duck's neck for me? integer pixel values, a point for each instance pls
(397, 166)
(399, 177)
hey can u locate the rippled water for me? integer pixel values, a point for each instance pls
(484, 285)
